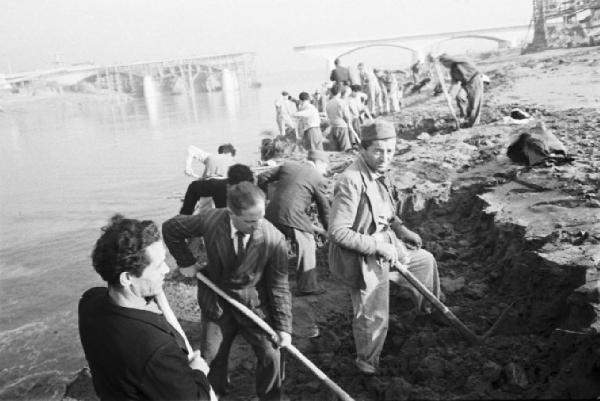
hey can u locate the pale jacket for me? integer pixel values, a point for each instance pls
(352, 223)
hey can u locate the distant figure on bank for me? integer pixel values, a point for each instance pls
(341, 133)
(310, 121)
(216, 188)
(367, 238)
(284, 108)
(466, 87)
(298, 184)
(340, 74)
(371, 86)
(358, 110)
(394, 95)
(133, 352)
(214, 165)
(247, 258)
(415, 70)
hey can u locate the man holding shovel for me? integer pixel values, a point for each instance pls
(466, 87)
(247, 259)
(132, 341)
(367, 238)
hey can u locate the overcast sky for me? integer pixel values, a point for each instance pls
(107, 31)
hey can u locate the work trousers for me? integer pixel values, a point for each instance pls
(371, 305)
(469, 100)
(216, 339)
(313, 139)
(306, 265)
(374, 102)
(340, 137)
(357, 126)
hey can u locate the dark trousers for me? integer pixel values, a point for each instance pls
(216, 339)
(469, 100)
(313, 139)
(306, 266)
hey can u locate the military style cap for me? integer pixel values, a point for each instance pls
(380, 129)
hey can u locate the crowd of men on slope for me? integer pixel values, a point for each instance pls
(131, 339)
(357, 94)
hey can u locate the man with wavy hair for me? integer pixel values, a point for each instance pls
(133, 351)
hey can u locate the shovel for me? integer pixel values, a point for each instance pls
(263, 325)
(446, 94)
(451, 317)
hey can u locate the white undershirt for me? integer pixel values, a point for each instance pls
(234, 238)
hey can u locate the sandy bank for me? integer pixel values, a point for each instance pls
(506, 238)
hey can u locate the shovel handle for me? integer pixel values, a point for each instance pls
(464, 330)
(263, 325)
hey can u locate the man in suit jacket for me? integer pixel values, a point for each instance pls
(247, 258)
(366, 238)
(298, 184)
(134, 353)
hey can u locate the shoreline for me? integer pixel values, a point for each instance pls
(449, 181)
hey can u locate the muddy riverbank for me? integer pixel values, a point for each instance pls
(507, 238)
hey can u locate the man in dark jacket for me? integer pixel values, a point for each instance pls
(215, 188)
(466, 87)
(340, 74)
(247, 258)
(298, 184)
(132, 350)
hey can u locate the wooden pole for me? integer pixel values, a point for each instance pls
(163, 304)
(263, 325)
(446, 94)
(465, 331)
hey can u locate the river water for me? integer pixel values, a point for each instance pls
(65, 168)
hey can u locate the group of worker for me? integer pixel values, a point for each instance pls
(134, 345)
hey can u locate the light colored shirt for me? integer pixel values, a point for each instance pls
(338, 112)
(309, 116)
(355, 106)
(234, 238)
(285, 108)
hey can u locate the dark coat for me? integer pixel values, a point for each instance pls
(298, 184)
(205, 187)
(261, 280)
(135, 354)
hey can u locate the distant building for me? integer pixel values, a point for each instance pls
(580, 16)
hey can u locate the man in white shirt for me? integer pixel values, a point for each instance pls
(310, 121)
(214, 165)
(284, 109)
(357, 108)
(339, 119)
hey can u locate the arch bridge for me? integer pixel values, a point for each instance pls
(419, 45)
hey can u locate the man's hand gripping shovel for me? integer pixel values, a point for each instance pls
(269, 330)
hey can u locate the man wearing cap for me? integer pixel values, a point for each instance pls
(466, 87)
(297, 185)
(367, 238)
(310, 120)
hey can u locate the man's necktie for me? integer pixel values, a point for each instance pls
(240, 245)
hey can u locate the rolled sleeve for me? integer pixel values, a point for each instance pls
(346, 199)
